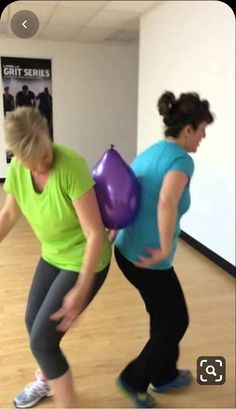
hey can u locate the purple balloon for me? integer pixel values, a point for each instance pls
(117, 189)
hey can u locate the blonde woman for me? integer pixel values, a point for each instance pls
(52, 187)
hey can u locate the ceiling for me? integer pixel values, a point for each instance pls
(81, 21)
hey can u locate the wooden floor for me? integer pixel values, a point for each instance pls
(114, 329)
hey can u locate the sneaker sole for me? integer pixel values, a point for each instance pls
(165, 388)
(32, 403)
(129, 394)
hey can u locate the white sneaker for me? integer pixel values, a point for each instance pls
(33, 392)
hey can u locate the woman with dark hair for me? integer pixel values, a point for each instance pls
(145, 249)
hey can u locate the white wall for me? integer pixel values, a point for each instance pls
(190, 46)
(94, 95)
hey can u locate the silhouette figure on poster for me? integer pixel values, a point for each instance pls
(45, 106)
(8, 101)
(25, 98)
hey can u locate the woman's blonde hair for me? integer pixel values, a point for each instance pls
(24, 129)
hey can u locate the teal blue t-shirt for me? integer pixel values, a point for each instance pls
(150, 167)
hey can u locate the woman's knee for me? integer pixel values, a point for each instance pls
(37, 345)
(183, 323)
(178, 324)
(43, 343)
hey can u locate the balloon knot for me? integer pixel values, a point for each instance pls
(112, 146)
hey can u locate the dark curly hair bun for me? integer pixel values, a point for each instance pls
(188, 109)
(166, 103)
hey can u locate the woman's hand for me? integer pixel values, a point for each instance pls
(155, 256)
(73, 305)
(112, 235)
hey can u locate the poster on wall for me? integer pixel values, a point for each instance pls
(27, 82)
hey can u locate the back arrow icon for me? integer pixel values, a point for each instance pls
(23, 24)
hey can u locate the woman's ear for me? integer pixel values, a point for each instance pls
(188, 130)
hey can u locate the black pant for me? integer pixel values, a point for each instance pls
(165, 304)
(49, 286)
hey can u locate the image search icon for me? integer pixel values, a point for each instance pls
(211, 370)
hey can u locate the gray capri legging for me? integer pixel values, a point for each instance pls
(49, 286)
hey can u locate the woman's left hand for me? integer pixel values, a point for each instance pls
(112, 235)
(155, 256)
(73, 304)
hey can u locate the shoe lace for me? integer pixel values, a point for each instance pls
(35, 388)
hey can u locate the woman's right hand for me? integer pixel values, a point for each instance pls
(155, 256)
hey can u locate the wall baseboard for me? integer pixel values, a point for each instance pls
(220, 261)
